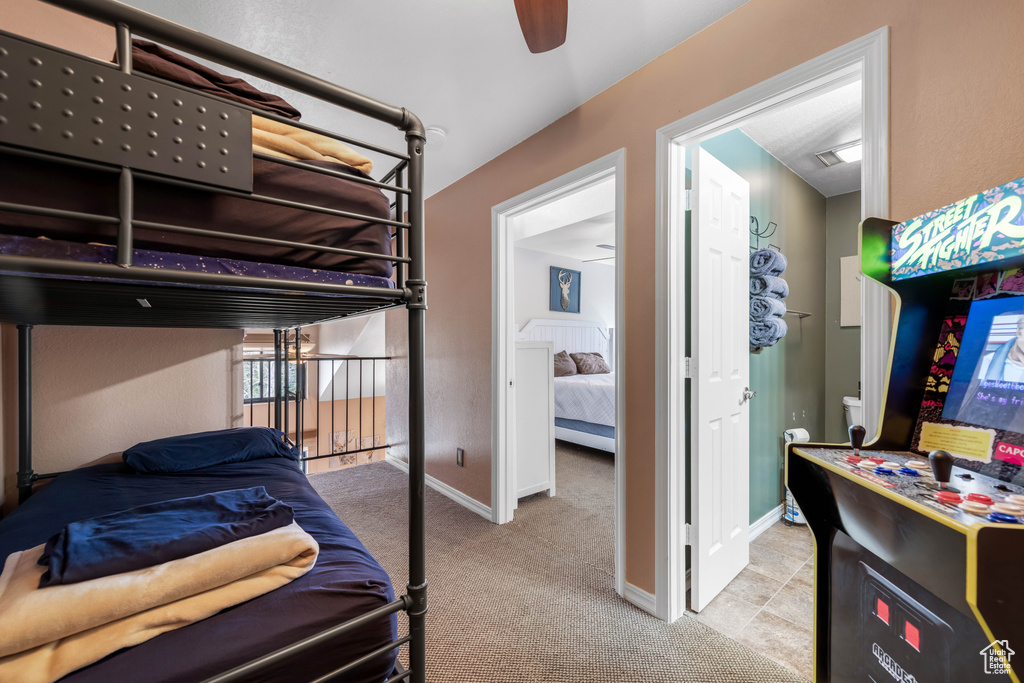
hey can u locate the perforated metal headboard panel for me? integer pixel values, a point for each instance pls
(56, 102)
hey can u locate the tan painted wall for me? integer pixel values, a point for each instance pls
(99, 390)
(955, 97)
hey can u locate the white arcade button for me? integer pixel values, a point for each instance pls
(973, 508)
(1008, 509)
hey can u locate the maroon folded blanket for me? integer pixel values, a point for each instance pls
(153, 59)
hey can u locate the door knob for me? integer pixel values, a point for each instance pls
(747, 395)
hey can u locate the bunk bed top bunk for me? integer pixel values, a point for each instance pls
(153, 236)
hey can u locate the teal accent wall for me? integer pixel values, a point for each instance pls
(842, 344)
(789, 378)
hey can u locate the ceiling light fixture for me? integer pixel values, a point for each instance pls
(848, 153)
(852, 153)
(436, 136)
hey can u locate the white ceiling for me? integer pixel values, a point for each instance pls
(577, 240)
(458, 64)
(794, 134)
(572, 225)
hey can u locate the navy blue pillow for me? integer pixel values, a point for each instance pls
(205, 449)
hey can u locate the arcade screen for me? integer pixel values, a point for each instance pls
(987, 388)
(973, 404)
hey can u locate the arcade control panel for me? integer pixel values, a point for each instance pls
(964, 496)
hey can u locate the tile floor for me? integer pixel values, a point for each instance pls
(769, 606)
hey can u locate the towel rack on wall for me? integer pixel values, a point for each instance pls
(799, 314)
(763, 234)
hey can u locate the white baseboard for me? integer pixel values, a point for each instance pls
(641, 598)
(761, 525)
(446, 490)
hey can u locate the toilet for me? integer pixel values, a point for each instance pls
(851, 406)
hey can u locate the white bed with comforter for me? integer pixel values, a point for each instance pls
(585, 410)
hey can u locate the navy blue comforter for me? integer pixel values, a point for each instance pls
(345, 582)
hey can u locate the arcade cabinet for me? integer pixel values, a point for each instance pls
(919, 541)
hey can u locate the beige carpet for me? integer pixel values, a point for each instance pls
(534, 600)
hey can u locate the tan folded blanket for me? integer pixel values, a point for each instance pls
(289, 142)
(46, 633)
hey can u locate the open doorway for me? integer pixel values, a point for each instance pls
(557, 403)
(696, 529)
(800, 370)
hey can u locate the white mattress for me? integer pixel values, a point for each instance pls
(589, 398)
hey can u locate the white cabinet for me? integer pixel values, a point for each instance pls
(535, 418)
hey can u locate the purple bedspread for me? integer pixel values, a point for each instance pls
(12, 245)
(345, 582)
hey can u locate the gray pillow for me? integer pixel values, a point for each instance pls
(564, 365)
(590, 363)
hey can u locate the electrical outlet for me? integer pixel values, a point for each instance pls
(460, 457)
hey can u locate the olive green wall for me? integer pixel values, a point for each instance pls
(789, 378)
(842, 344)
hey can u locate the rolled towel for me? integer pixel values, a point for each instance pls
(769, 285)
(767, 332)
(767, 262)
(763, 307)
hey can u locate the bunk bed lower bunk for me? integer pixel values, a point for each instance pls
(345, 582)
(198, 259)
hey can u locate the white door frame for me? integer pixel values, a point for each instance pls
(865, 58)
(503, 493)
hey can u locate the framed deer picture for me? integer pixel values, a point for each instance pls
(565, 290)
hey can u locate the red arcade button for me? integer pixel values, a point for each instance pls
(875, 459)
(979, 498)
(912, 636)
(853, 459)
(947, 497)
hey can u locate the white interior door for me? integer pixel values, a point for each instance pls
(719, 413)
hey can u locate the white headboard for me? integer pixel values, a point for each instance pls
(574, 336)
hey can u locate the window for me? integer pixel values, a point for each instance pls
(258, 385)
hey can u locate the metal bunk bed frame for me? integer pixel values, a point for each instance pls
(243, 301)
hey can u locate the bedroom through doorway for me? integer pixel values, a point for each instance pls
(558, 451)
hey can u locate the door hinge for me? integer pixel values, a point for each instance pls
(686, 534)
(689, 368)
(687, 200)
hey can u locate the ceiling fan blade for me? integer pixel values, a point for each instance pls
(543, 23)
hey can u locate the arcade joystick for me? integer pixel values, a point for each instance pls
(942, 468)
(857, 434)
